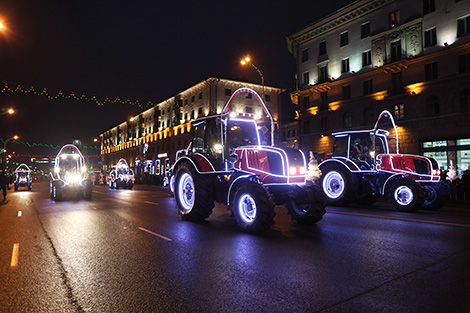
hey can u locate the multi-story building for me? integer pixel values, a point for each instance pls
(411, 57)
(150, 140)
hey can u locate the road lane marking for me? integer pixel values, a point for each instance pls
(20, 213)
(155, 203)
(14, 255)
(402, 219)
(155, 234)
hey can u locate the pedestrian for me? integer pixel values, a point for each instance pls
(3, 184)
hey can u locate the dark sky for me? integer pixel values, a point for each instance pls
(146, 50)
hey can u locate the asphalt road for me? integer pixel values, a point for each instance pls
(129, 251)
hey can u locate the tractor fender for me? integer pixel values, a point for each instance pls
(240, 180)
(345, 162)
(389, 181)
(200, 164)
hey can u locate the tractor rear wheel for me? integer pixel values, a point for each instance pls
(338, 184)
(194, 193)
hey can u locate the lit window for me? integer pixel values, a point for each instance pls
(399, 111)
(394, 19)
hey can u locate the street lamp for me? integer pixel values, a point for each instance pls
(5, 150)
(9, 111)
(247, 60)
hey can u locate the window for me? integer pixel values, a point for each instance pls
(249, 95)
(267, 98)
(430, 38)
(200, 95)
(193, 98)
(464, 63)
(306, 127)
(323, 73)
(322, 48)
(367, 87)
(432, 106)
(399, 111)
(306, 78)
(228, 92)
(199, 112)
(346, 92)
(394, 18)
(396, 50)
(397, 83)
(345, 65)
(465, 100)
(324, 123)
(324, 97)
(365, 30)
(366, 58)
(304, 55)
(430, 71)
(428, 6)
(306, 101)
(185, 102)
(192, 114)
(248, 110)
(347, 120)
(344, 39)
(463, 26)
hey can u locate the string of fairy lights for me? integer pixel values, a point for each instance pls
(43, 145)
(38, 156)
(72, 96)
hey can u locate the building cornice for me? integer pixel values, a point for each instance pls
(344, 16)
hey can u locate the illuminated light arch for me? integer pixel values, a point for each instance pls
(261, 102)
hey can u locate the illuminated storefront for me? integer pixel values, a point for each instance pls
(449, 153)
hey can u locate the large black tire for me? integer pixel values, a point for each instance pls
(307, 214)
(194, 193)
(434, 200)
(339, 185)
(252, 208)
(406, 195)
(87, 193)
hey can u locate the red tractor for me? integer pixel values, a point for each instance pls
(362, 168)
(226, 163)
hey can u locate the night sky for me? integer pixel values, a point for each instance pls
(145, 50)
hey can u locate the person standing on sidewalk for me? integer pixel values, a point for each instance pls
(3, 184)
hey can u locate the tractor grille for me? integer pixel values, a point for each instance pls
(421, 166)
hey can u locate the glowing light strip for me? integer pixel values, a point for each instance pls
(72, 95)
(45, 145)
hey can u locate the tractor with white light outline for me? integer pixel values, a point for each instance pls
(23, 177)
(226, 163)
(363, 168)
(121, 176)
(70, 175)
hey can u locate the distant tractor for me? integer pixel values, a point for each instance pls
(23, 177)
(226, 163)
(70, 175)
(362, 168)
(121, 176)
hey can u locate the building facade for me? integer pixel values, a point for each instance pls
(411, 57)
(150, 140)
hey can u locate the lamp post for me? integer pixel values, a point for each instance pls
(10, 111)
(5, 150)
(247, 60)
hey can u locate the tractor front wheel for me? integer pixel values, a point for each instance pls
(252, 208)
(406, 195)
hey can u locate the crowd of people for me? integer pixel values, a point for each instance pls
(460, 187)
